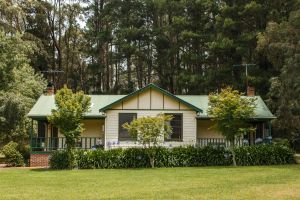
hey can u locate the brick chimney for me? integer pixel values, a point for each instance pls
(50, 89)
(250, 91)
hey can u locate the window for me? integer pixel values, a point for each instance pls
(123, 118)
(176, 124)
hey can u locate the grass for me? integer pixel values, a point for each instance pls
(266, 182)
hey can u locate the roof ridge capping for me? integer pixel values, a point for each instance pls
(154, 86)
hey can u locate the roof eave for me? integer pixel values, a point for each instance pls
(253, 118)
(44, 117)
(151, 85)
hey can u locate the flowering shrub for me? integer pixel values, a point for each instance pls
(190, 156)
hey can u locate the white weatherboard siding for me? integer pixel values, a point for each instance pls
(112, 128)
(150, 102)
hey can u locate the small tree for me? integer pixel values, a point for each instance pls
(231, 112)
(68, 115)
(150, 132)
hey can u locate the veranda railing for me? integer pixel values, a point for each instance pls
(56, 143)
(217, 142)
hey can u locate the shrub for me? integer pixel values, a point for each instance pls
(12, 156)
(265, 154)
(25, 152)
(164, 157)
(59, 160)
(270, 154)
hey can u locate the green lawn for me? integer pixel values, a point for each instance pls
(273, 182)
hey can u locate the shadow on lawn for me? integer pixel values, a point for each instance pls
(291, 166)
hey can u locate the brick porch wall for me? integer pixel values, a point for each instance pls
(39, 160)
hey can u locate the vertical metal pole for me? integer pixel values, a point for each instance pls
(30, 136)
(270, 128)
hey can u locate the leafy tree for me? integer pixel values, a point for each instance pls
(230, 113)
(280, 43)
(150, 132)
(19, 89)
(68, 115)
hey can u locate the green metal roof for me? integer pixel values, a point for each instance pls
(46, 103)
(99, 103)
(261, 110)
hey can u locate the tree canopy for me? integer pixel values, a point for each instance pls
(70, 108)
(69, 112)
(20, 87)
(280, 42)
(231, 113)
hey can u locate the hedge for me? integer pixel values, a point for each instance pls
(265, 154)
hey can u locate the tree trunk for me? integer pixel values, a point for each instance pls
(152, 161)
(232, 145)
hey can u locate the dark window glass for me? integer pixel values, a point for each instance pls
(176, 124)
(123, 118)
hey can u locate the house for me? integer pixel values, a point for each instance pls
(103, 124)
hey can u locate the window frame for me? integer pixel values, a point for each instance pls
(119, 128)
(181, 129)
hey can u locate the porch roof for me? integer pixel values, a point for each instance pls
(44, 105)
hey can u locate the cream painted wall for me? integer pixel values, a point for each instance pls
(131, 103)
(170, 103)
(204, 130)
(112, 128)
(151, 99)
(144, 100)
(157, 100)
(93, 132)
(93, 128)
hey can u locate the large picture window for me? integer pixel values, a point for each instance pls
(176, 124)
(123, 118)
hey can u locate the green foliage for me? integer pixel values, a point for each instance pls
(150, 132)
(12, 156)
(264, 155)
(19, 89)
(60, 160)
(230, 112)
(270, 154)
(70, 108)
(69, 113)
(280, 42)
